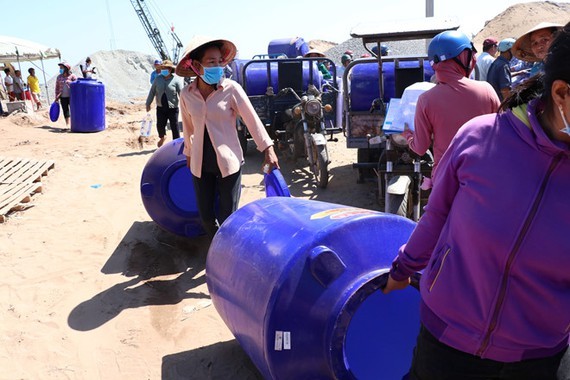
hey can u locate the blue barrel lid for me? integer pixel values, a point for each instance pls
(275, 185)
(54, 111)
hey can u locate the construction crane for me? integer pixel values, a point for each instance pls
(154, 33)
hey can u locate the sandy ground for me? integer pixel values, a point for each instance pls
(92, 288)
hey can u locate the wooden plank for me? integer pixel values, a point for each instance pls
(22, 172)
(19, 179)
(21, 193)
(7, 167)
(27, 172)
(9, 192)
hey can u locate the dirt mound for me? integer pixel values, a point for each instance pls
(321, 45)
(519, 18)
(125, 74)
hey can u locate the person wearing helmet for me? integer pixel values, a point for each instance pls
(345, 60)
(63, 89)
(384, 50)
(454, 100)
(499, 74)
(533, 45)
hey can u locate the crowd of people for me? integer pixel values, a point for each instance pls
(492, 244)
(14, 88)
(509, 61)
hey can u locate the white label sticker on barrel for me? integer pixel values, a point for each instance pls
(286, 340)
(278, 340)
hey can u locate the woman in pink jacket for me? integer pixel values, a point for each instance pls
(494, 241)
(209, 107)
(454, 100)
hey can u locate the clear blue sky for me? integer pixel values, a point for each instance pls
(81, 28)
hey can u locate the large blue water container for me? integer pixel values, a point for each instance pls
(87, 105)
(364, 87)
(291, 47)
(168, 192)
(296, 281)
(255, 82)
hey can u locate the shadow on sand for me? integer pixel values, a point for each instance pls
(55, 130)
(145, 252)
(210, 362)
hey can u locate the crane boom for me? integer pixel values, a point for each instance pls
(177, 48)
(151, 29)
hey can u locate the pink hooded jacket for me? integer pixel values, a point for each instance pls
(441, 111)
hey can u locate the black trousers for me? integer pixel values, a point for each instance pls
(217, 198)
(164, 114)
(64, 106)
(434, 360)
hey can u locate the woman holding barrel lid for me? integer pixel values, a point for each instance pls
(63, 89)
(494, 241)
(209, 107)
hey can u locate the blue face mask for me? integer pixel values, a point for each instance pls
(164, 73)
(212, 75)
(61, 71)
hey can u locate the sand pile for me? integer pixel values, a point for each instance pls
(519, 18)
(125, 74)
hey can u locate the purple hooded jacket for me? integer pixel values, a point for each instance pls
(494, 242)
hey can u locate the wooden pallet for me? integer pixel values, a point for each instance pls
(20, 178)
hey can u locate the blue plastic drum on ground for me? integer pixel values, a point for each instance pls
(87, 105)
(297, 283)
(168, 192)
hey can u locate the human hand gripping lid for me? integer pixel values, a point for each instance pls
(270, 161)
(387, 283)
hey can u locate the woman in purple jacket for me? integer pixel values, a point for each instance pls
(494, 242)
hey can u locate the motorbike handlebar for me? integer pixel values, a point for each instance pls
(289, 90)
(328, 85)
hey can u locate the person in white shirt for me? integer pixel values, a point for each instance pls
(88, 71)
(486, 58)
(9, 83)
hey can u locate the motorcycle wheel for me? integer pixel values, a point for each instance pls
(299, 143)
(399, 204)
(322, 162)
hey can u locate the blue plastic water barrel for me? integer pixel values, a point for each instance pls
(296, 281)
(256, 77)
(236, 66)
(87, 105)
(168, 192)
(364, 82)
(291, 47)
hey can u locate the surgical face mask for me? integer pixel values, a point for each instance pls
(164, 73)
(566, 128)
(61, 71)
(212, 75)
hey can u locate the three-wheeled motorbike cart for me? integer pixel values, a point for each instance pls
(369, 85)
(298, 106)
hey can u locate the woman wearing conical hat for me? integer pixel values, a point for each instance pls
(209, 106)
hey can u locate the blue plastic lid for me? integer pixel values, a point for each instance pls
(54, 111)
(275, 185)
